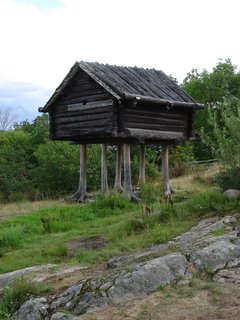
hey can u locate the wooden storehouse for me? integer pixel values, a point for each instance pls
(104, 104)
(98, 103)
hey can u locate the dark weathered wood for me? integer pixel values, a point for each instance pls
(142, 164)
(108, 104)
(89, 105)
(158, 101)
(83, 133)
(153, 111)
(118, 173)
(66, 114)
(151, 134)
(104, 179)
(86, 124)
(80, 99)
(81, 194)
(82, 119)
(158, 119)
(165, 169)
(157, 127)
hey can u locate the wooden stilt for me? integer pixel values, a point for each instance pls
(81, 193)
(104, 180)
(118, 174)
(142, 164)
(127, 190)
(165, 169)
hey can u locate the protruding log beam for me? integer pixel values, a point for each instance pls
(118, 173)
(104, 179)
(142, 164)
(165, 169)
(127, 190)
(81, 194)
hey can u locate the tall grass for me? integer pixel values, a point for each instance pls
(42, 236)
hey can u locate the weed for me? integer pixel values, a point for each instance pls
(86, 257)
(16, 294)
(219, 232)
(12, 237)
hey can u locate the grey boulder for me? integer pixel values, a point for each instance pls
(33, 309)
(216, 256)
(148, 277)
(232, 193)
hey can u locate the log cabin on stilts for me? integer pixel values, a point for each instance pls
(122, 106)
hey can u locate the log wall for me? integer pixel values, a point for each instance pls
(158, 119)
(83, 108)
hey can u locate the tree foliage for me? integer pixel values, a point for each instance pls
(212, 89)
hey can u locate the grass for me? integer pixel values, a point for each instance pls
(23, 207)
(15, 295)
(219, 232)
(42, 236)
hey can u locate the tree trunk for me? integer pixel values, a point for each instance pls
(104, 180)
(118, 174)
(81, 194)
(165, 169)
(142, 164)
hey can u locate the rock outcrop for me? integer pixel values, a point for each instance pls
(129, 277)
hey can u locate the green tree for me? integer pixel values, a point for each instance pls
(15, 165)
(226, 143)
(212, 89)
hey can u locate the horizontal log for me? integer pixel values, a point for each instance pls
(81, 92)
(107, 140)
(157, 119)
(87, 124)
(93, 111)
(152, 134)
(79, 133)
(156, 101)
(89, 105)
(157, 127)
(147, 111)
(79, 119)
(80, 99)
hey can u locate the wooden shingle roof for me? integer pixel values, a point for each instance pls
(129, 83)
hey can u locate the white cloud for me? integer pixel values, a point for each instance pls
(22, 99)
(39, 46)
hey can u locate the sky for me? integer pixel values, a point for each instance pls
(42, 39)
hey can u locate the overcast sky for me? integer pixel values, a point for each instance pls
(41, 40)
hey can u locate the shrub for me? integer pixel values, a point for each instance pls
(229, 178)
(150, 192)
(12, 237)
(110, 205)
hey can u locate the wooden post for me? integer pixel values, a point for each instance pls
(81, 194)
(104, 180)
(142, 164)
(165, 169)
(118, 174)
(127, 190)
